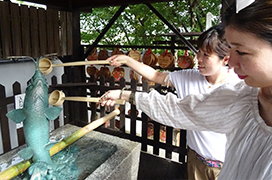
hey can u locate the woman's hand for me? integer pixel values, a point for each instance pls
(115, 60)
(109, 97)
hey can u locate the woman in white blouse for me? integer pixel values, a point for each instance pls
(243, 112)
(206, 152)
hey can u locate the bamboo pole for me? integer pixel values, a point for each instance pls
(57, 98)
(46, 66)
(81, 132)
(22, 166)
(15, 170)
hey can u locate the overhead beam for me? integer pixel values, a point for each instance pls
(88, 4)
(108, 26)
(187, 43)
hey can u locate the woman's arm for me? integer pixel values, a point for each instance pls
(146, 71)
(220, 111)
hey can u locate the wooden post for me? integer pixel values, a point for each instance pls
(4, 121)
(122, 108)
(133, 113)
(20, 132)
(144, 120)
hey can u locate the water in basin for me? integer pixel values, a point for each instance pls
(78, 160)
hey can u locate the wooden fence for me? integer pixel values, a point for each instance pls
(117, 126)
(95, 88)
(31, 31)
(5, 126)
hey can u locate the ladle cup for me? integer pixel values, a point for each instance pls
(57, 98)
(46, 66)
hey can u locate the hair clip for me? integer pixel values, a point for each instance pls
(241, 4)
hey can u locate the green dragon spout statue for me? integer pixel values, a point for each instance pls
(35, 116)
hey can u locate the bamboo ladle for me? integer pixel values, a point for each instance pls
(46, 66)
(57, 97)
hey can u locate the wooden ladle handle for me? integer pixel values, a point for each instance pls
(90, 99)
(57, 97)
(80, 63)
(46, 66)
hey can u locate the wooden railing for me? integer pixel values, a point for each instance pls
(95, 88)
(5, 103)
(117, 126)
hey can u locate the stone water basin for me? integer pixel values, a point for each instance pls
(100, 156)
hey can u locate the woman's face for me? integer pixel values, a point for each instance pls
(250, 57)
(209, 64)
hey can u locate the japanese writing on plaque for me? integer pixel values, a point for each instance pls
(19, 103)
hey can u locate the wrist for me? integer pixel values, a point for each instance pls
(128, 96)
(125, 95)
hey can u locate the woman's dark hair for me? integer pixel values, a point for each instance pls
(213, 40)
(255, 19)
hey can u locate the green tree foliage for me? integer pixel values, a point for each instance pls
(138, 25)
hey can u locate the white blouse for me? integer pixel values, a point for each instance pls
(208, 144)
(232, 110)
